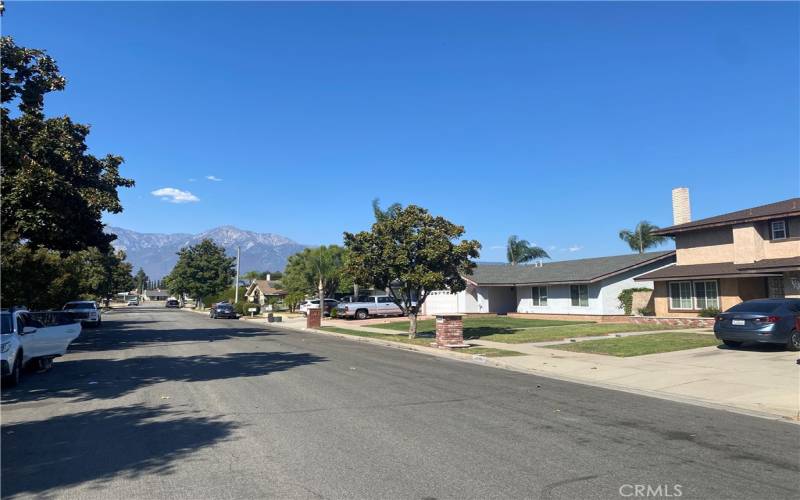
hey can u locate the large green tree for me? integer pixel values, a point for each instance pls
(317, 270)
(54, 192)
(521, 251)
(411, 253)
(641, 237)
(141, 280)
(202, 270)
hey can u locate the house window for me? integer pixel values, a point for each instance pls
(691, 295)
(579, 295)
(778, 230)
(775, 287)
(705, 294)
(680, 295)
(539, 294)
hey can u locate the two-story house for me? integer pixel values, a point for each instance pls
(724, 260)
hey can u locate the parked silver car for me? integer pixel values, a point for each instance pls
(763, 321)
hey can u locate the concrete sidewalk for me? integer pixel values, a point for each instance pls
(761, 381)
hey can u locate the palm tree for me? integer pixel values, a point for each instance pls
(520, 251)
(642, 237)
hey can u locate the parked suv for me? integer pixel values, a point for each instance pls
(364, 307)
(764, 321)
(86, 311)
(222, 310)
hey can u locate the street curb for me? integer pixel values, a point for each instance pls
(484, 361)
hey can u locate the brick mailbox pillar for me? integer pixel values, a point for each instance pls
(449, 331)
(314, 317)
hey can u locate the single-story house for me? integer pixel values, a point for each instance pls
(260, 291)
(585, 287)
(726, 259)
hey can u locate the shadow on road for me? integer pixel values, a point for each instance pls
(117, 334)
(87, 379)
(101, 445)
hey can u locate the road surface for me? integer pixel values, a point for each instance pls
(170, 404)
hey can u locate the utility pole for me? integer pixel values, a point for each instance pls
(236, 283)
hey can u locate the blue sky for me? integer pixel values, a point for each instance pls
(562, 123)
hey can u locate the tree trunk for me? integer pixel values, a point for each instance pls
(412, 325)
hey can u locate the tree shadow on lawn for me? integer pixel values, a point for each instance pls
(101, 445)
(87, 379)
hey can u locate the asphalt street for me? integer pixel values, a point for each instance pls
(170, 404)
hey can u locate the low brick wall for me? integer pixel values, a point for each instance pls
(687, 322)
(600, 318)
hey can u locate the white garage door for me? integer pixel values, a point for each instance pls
(441, 302)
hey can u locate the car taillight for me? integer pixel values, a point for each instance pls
(768, 319)
(719, 318)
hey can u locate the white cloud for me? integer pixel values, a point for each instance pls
(173, 195)
(192, 179)
(212, 178)
(575, 248)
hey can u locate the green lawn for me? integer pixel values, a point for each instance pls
(639, 345)
(424, 341)
(518, 330)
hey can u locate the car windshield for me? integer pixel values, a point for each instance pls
(7, 325)
(225, 308)
(79, 305)
(755, 307)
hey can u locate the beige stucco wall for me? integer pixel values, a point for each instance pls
(748, 244)
(704, 247)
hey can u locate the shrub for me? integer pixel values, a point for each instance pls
(709, 312)
(646, 311)
(334, 314)
(626, 298)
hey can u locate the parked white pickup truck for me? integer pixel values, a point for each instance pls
(364, 307)
(33, 337)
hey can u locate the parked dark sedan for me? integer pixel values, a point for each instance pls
(173, 303)
(222, 310)
(764, 321)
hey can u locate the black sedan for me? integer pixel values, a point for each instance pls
(764, 321)
(222, 311)
(173, 303)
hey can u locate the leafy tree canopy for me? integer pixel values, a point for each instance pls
(202, 270)
(411, 253)
(54, 192)
(305, 270)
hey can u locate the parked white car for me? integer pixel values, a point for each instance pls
(33, 337)
(85, 311)
(306, 305)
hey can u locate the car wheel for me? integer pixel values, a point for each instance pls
(732, 343)
(794, 341)
(12, 378)
(362, 314)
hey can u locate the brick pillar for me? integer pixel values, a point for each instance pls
(449, 331)
(313, 318)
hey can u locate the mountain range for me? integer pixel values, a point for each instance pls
(156, 253)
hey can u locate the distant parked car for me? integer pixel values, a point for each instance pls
(364, 307)
(133, 302)
(173, 303)
(222, 310)
(329, 305)
(764, 321)
(85, 311)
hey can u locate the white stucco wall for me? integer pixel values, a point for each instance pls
(559, 301)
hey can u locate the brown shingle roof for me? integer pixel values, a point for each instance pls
(721, 270)
(783, 208)
(268, 287)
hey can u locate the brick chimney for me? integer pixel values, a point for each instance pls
(681, 209)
